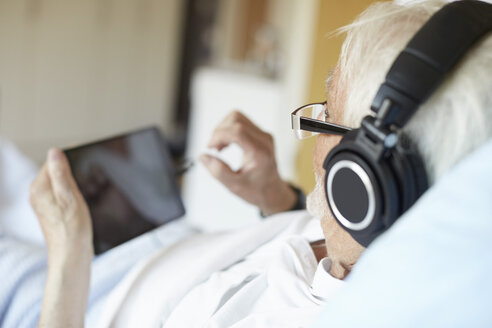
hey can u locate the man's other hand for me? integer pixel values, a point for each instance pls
(257, 181)
(61, 210)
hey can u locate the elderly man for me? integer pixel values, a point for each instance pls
(267, 275)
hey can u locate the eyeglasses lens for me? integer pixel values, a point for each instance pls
(313, 112)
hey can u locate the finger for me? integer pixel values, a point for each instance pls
(40, 191)
(220, 170)
(234, 123)
(237, 116)
(64, 187)
(233, 117)
(238, 133)
(222, 137)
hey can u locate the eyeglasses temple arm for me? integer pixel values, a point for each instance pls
(322, 127)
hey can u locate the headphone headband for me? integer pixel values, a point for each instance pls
(429, 56)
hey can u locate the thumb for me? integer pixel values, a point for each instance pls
(62, 182)
(218, 169)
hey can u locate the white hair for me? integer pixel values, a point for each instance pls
(454, 121)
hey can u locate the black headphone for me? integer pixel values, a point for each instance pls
(375, 174)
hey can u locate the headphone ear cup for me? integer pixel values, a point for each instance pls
(353, 193)
(365, 186)
(410, 172)
(420, 174)
(402, 168)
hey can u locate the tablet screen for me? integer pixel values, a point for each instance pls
(129, 185)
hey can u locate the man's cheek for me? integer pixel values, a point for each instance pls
(329, 225)
(316, 202)
(319, 155)
(313, 203)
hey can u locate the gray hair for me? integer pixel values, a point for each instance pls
(454, 121)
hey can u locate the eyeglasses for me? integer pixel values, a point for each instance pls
(312, 119)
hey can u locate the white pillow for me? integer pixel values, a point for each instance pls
(16, 216)
(433, 268)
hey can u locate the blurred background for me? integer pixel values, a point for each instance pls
(76, 71)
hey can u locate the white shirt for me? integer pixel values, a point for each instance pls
(263, 276)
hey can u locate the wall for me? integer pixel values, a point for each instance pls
(72, 71)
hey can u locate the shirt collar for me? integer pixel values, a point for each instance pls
(324, 284)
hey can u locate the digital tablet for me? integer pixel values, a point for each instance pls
(129, 184)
